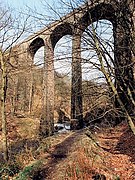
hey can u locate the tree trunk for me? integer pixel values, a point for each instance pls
(3, 114)
(31, 90)
(14, 98)
(123, 52)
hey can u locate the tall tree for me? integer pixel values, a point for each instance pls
(11, 31)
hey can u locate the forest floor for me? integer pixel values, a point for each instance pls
(74, 155)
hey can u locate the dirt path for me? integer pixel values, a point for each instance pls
(58, 156)
(117, 155)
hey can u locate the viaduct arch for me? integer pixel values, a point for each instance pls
(121, 14)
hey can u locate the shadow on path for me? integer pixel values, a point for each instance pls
(59, 154)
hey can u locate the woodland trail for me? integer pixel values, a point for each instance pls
(74, 155)
(116, 151)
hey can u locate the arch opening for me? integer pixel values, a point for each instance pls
(62, 66)
(39, 57)
(59, 32)
(103, 32)
(97, 39)
(36, 57)
(96, 13)
(35, 45)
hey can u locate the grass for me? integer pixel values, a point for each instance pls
(28, 171)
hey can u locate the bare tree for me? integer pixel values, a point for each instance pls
(11, 31)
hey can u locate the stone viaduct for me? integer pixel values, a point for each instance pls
(122, 16)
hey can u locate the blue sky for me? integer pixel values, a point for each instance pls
(41, 5)
(37, 8)
(20, 4)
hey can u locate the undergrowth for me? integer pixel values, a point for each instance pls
(24, 165)
(9, 170)
(29, 171)
(80, 167)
